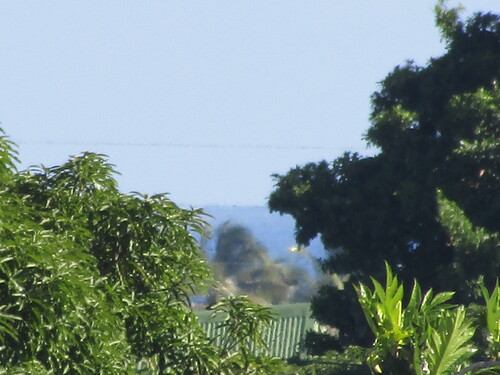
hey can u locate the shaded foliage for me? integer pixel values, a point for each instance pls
(437, 128)
(350, 362)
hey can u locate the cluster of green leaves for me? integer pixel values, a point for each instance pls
(93, 281)
(428, 335)
(428, 202)
(493, 319)
(239, 346)
(477, 257)
(244, 323)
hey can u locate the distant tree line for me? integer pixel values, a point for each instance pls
(242, 265)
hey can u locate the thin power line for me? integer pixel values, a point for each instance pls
(186, 145)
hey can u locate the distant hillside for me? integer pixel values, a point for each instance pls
(274, 231)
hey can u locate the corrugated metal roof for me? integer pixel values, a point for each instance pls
(285, 335)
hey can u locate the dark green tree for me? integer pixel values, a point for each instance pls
(438, 129)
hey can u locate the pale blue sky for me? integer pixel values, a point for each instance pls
(202, 99)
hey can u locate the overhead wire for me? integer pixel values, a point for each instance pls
(186, 145)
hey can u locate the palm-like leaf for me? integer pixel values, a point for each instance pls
(428, 329)
(383, 308)
(493, 310)
(449, 343)
(493, 318)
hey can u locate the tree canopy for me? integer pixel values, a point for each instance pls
(429, 201)
(94, 281)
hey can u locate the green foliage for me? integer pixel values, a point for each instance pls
(95, 281)
(428, 202)
(447, 20)
(349, 362)
(282, 337)
(383, 309)
(244, 323)
(493, 319)
(449, 343)
(51, 285)
(478, 256)
(402, 333)
(428, 335)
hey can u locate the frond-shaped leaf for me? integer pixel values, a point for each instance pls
(365, 298)
(493, 310)
(384, 308)
(449, 343)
